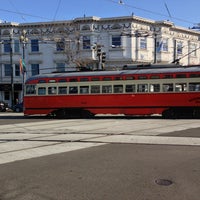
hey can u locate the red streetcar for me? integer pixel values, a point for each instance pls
(170, 91)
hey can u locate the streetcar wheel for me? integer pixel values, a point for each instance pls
(196, 113)
(87, 114)
(169, 114)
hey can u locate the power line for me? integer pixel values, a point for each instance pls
(58, 6)
(25, 14)
(122, 3)
(16, 9)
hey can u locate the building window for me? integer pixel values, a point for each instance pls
(7, 46)
(60, 67)
(86, 42)
(193, 50)
(60, 46)
(17, 70)
(179, 48)
(7, 70)
(35, 69)
(165, 45)
(143, 43)
(116, 41)
(16, 46)
(6, 96)
(34, 45)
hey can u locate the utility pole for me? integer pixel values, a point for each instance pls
(155, 48)
(11, 72)
(23, 39)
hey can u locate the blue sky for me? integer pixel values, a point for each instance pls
(181, 12)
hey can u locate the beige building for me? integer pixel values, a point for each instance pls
(65, 45)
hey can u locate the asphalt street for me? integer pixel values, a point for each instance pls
(105, 158)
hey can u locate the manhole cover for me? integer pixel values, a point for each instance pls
(163, 182)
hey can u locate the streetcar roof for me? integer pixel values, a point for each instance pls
(182, 69)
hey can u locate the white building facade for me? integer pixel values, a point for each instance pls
(69, 45)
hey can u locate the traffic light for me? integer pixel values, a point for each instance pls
(98, 51)
(103, 58)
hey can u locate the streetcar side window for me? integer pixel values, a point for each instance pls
(73, 90)
(194, 86)
(42, 81)
(130, 88)
(52, 90)
(130, 78)
(107, 79)
(62, 90)
(42, 91)
(95, 89)
(62, 80)
(142, 88)
(142, 77)
(84, 79)
(168, 87)
(154, 77)
(154, 87)
(180, 87)
(30, 89)
(95, 79)
(167, 76)
(73, 80)
(107, 89)
(118, 88)
(180, 75)
(117, 78)
(84, 89)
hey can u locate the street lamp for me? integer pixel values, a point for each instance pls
(23, 39)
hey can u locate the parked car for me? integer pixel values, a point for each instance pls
(3, 106)
(18, 107)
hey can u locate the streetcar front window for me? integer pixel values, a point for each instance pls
(30, 89)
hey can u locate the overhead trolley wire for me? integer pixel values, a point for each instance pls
(24, 14)
(122, 3)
